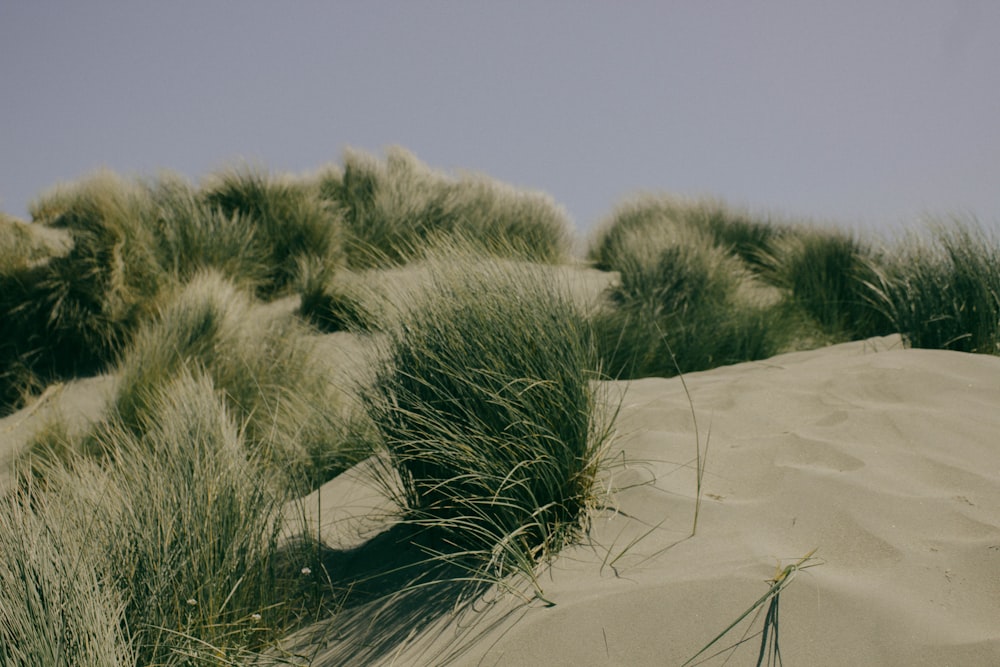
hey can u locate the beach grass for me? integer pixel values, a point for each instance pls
(828, 275)
(289, 218)
(173, 539)
(263, 363)
(60, 607)
(397, 208)
(25, 250)
(332, 299)
(194, 235)
(941, 289)
(23, 245)
(769, 653)
(487, 410)
(738, 232)
(683, 304)
(73, 312)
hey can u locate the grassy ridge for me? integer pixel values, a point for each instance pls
(395, 209)
(682, 305)
(736, 231)
(702, 286)
(69, 310)
(692, 295)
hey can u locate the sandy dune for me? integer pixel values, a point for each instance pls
(886, 460)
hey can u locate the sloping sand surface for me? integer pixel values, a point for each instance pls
(76, 403)
(885, 460)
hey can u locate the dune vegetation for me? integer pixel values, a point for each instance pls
(159, 534)
(485, 401)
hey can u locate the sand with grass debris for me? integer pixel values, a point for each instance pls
(883, 459)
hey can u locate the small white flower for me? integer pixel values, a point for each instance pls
(192, 602)
(254, 617)
(306, 571)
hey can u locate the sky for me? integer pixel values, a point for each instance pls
(868, 114)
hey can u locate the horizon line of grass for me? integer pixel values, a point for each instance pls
(395, 210)
(721, 288)
(69, 309)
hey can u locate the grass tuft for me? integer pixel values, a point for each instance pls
(828, 275)
(72, 313)
(769, 654)
(208, 517)
(182, 522)
(683, 304)
(486, 407)
(193, 235)
(944, 292)
(289, 219)
(395, 210)
(263, 363)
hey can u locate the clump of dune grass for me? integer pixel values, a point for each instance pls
(396, 209)
(705, 285)
(60, 605)
(289, 219)
(207, 518)
(181, 522)
(25, 251)
(263, 363)
(944, 291)
(194, 235)
(828, 274)
(485, 404)
(683, 304)
(73, 313)
(335, 300)
(385, 206)
(735, 231)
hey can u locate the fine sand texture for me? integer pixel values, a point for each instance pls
(883, 459)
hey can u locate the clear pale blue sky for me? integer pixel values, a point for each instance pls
(860, 112)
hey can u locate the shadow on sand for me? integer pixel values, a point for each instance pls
(389, 593)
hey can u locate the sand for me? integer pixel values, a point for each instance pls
(886, 460)
(75, 403)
